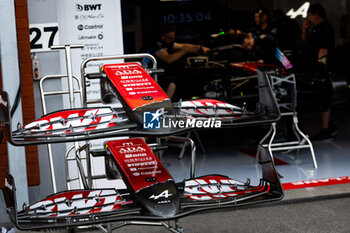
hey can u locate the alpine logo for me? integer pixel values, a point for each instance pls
(88, 7)
(164, 194)
(302, 11)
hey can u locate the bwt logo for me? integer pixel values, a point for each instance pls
(152, 120)
(90, 7)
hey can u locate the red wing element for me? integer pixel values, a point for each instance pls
(134, 84)
(210, 108)
(211, 188)
(77, 120)
(76, 203)
(70, 208)
(138, 163)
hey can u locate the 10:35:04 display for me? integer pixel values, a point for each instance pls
(187, 17)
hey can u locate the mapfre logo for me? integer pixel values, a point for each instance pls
(88, 7)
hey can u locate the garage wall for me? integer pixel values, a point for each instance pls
(27, 95)
(27, 105)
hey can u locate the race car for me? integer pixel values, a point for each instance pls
(151, 194)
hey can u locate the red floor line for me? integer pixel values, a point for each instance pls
(316, 183)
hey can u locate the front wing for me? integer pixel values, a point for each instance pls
(98, 206)
(92, 123)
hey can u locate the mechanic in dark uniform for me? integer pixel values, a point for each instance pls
(257, 48)
(263, 24)
(168, 54)
(318, 38)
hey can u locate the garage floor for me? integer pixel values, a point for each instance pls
(233, 153)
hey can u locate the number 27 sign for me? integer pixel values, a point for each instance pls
(43, 36)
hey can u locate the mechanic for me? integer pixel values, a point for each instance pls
(168, 54)
(263, 24)
(260, 48)
(319, 43)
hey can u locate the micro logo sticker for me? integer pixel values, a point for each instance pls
(147, 98)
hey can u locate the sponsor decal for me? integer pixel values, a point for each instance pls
(89, 27)
(142, 164)
(212, 187)
(137, 160)
(128, 73)
(91, 37)
(316, 183)
(84, 18)
(131, 150)
(133, 75)
(93, 46)
(87, 55)
(147, 168)
(128, 144)
(151, 179)
(77, 202)
(127, 156)
(147, 98)
(70, 119)
(88, 7)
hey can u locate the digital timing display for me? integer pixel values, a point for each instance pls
(187, 17)
(194, 20)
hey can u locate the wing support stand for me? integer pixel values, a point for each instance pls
(190, 142)
(284, 88)
(71, 91)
